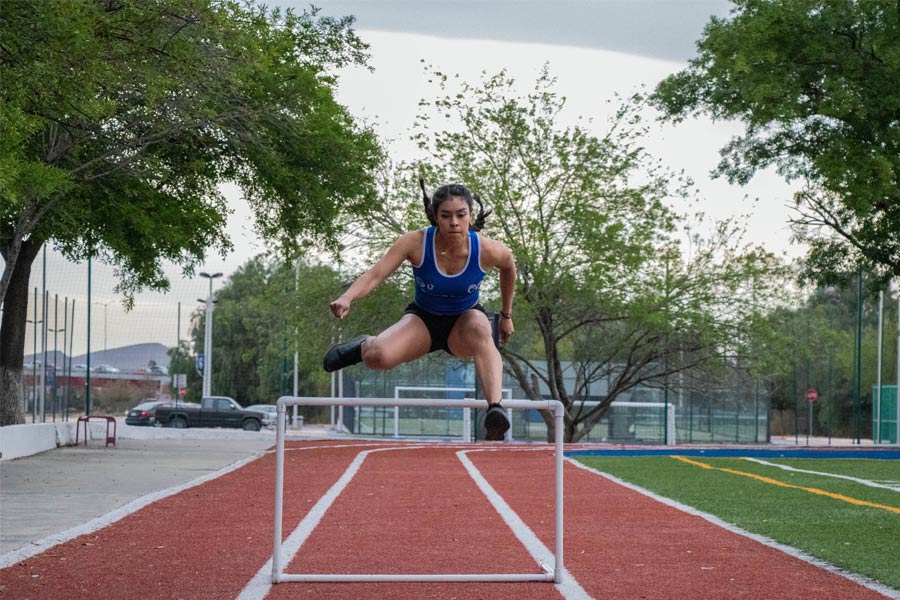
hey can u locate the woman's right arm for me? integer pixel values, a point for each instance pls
(401, 250)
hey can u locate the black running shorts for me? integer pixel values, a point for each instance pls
(439, 326)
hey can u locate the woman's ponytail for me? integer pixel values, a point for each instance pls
(478, 223)
(427, 202)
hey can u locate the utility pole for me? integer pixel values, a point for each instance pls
(105, 306)
(207, 339)
(296, 352)
(55, 331)
(44, 339)
(856, 407)
(34, 381)
(87, 371)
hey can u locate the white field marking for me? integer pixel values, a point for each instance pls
(542, 555)
(20, 554)
(894, 488)
(766, 541)
(258, 587)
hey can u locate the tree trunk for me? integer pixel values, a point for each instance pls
(12, 336)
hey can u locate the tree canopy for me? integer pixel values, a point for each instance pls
(119, 121)
(268, 310)
(817, 85)
(603, 287)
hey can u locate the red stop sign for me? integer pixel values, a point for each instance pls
(812, 395)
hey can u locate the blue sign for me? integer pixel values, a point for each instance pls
(201, 361)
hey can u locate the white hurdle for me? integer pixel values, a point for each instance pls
(554, 406)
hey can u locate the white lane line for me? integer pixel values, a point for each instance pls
(798, 554)
(847, 477)
(542, 555)
(20, 554)
(44, 544)
(261, 583)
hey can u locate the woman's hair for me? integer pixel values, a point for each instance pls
(453, 191)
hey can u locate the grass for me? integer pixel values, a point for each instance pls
(860, 539)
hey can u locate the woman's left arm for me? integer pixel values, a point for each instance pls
(500, 256)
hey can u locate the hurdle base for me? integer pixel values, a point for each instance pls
(478, 577)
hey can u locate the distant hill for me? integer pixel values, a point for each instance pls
(126, 358)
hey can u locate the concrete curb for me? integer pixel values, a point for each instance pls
(17, 441)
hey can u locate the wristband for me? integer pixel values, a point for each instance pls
(505, 315)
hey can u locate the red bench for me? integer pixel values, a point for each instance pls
(85, 420)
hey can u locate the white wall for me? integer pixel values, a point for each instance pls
(17, 441)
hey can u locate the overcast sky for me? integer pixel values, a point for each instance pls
(594, 48)
(661, 29)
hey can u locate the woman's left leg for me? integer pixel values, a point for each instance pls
(471, 336)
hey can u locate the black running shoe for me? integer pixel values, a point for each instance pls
(344, 355)
(496, 423)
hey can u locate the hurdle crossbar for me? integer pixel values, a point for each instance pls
(554, 406)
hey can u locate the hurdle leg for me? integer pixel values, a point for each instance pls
(558, 417)
(279, 492)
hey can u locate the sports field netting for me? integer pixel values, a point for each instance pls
(416, 421)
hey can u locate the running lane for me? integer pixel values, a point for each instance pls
(204, 542)
(622, 544)
(412, 511)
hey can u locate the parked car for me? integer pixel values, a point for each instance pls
(214, 411)
(144, 413)
(105, 369)
(270, 412)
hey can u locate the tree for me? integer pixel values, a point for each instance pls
(603, 284)
(817, 85)
(118, 120)
(181, 362)
(269, 309)
(811, 343)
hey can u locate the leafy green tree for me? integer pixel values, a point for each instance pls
(118, 121)
(811, 344)
(602, 281)
(182, 362)
(817, 85)
(268, 310)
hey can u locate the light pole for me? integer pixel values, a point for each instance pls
(105, 305)
(207, 338)
(34, 381)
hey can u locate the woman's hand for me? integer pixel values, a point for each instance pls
(340, 307)
(506, 329)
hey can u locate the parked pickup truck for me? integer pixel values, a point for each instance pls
(214, 411)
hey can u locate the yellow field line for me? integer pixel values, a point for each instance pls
(892, 509)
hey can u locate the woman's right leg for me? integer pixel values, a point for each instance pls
(404, 341)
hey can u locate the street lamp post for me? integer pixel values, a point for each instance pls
(34, 381)
(105, 306)
(55, 331)
(207, 338)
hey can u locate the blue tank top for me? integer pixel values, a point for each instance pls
(442, 294)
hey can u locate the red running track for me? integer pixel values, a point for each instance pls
(415, 510)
